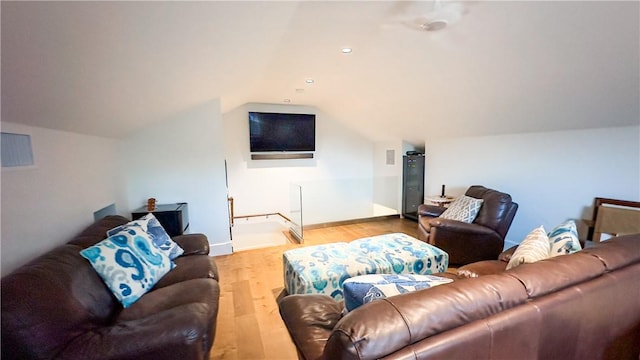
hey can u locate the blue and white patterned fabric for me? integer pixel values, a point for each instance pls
(364, 289)
(129, 263)
(405, 254)
(152, 226)
(322, 269)
(564, 239)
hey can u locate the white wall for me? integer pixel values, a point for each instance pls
(45, 204)
(388, 177)
(332, 180)
(181, 160)
(553, 176)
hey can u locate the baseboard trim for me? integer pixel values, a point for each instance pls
(349, 222)
(224, 248)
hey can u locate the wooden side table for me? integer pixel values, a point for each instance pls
(441, 201)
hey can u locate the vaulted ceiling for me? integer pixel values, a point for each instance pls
(110, 68)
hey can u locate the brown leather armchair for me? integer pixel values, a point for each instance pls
(470, 242)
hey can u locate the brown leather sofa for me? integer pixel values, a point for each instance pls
(57, 307)
(580, 306)
(483, 239)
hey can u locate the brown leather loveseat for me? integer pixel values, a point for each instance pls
(580, 306)
(57, 307)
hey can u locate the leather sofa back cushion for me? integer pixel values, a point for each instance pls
(404, 319)
(97, 231)
(557, 273)
(53, 300)
(494, 207)
(611, 255)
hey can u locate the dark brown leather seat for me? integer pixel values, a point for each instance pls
(57, 307)
(580, 306)
(470, 242)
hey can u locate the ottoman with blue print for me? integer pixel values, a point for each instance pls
(405, 254)
(363, 289)
(322, 269)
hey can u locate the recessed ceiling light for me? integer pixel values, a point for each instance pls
(287, 100)
(346, 50)
(299, 90)
(309, 81)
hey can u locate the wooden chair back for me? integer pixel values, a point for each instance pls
(615, 217)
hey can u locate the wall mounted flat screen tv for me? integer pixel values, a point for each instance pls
(281, 132)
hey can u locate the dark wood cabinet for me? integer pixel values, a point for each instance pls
(174, 218)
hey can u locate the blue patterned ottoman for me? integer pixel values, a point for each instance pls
(405, 254)
(322, 269)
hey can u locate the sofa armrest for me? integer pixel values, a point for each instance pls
(193, 244)
(459, 227)
(430, 210)
(481, 268)
(310, 319)
(177, 333)
(506, 255)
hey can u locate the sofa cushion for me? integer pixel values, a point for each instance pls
(156, 232)
(495, 207)
(533, 248)
(190, 267)
(464, 208)
(96, 232)
(169, 297)
(49, 301)
(564, 239)
(364, 289)
(129, 263)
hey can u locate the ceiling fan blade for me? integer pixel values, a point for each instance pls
(439, 15)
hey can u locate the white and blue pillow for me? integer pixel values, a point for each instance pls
(364, 289)
(129, 263)
(152, 226)
(564, 239)
(539, 245)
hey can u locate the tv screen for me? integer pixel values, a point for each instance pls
(282, 132)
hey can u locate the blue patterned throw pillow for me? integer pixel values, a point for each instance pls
(129, 263)
(564, 239)
(364, 289)
(160, 238)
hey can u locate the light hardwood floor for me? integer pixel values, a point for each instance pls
(249, 325)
